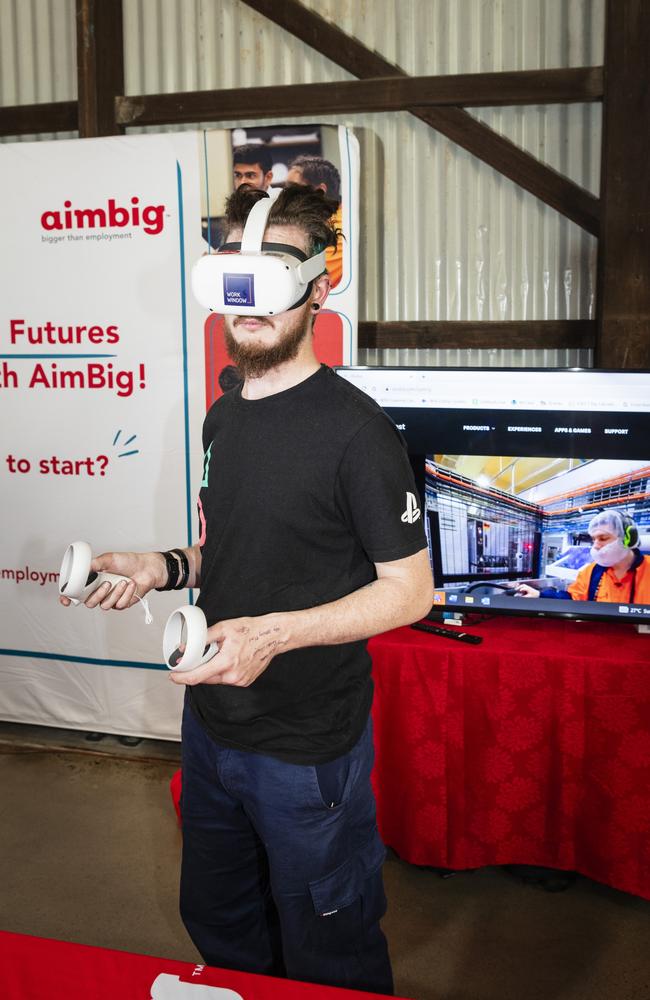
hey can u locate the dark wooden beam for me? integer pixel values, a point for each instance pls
(511, 335)
(624, 251)
(31, 119)
(393, 93)
(540, 180)
(100, 65)
(551, 187)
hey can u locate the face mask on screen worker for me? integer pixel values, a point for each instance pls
(609, 554)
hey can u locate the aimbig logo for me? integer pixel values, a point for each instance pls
(150, 217)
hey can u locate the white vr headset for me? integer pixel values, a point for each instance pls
(253, 278)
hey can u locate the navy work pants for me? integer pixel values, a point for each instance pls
(281, 871)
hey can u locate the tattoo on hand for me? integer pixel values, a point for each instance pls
(268, 631)
(267, 651)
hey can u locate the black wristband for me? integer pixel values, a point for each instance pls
(172, 571)
(185, 567)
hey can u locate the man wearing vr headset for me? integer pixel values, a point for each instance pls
(311, 541)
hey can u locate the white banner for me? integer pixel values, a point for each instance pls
(102, 398)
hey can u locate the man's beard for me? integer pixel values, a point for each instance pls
(254, 359)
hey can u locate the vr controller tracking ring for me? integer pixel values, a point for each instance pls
(197, 649)
(75, 573)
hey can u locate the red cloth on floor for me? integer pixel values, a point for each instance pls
(33, 968)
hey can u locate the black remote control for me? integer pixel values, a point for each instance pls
(447, 632)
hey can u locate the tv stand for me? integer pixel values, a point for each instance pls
(440, 617)
(455, 619)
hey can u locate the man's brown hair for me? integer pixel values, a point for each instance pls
(299, 205)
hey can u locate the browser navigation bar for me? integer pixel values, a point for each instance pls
(552, 391)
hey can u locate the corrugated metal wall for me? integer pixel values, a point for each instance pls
(443, 235)
(38, 55)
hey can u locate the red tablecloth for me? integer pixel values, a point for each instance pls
(33, 968)
(531, 748)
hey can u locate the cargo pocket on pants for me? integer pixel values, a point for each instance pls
(350, 900)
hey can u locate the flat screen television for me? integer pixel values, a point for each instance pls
(511, 466)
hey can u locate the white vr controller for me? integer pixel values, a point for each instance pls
(76, 579)
(187, 627)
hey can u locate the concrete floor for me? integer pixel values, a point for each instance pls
(89, 852)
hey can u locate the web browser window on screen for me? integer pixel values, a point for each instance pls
(513, 466)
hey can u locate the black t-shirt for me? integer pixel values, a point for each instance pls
(303, 491)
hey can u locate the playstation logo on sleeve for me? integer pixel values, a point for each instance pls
(412, 512)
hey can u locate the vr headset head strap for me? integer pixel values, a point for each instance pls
(311, 268)
(251, 241)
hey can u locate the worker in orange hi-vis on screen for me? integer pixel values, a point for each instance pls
(619, 573)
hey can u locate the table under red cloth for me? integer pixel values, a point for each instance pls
(33, 968)
(531, 748)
